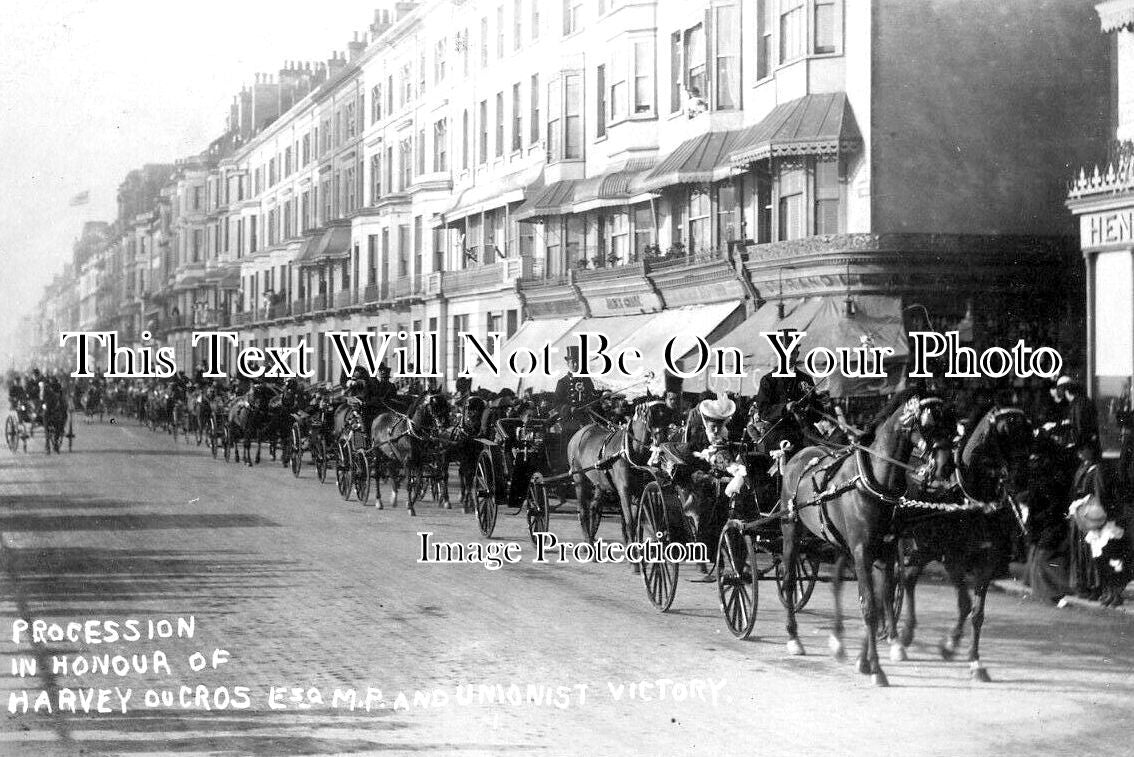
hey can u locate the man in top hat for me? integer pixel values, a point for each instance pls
(573, 393)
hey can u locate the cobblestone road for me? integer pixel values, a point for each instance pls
(305, 591)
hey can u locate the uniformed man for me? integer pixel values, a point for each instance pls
(573, 393)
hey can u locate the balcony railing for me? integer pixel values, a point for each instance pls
(342, 298)
(319, 302)
(481, 277)
(298, 307)
(407, 286)
(277, 310)
(376, 292)
(241, 319)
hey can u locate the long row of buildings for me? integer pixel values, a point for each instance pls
(475, 165)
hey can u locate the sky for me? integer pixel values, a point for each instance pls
(92, 89)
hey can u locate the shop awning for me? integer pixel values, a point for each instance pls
(699, 160)
(685, 323)
(493, 193)
(532, 335)
(331, 244)
(876, 318)
(614, 188)
(554, 199)
(810, 125)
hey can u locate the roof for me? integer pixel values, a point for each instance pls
(699, 160)
(810, 125)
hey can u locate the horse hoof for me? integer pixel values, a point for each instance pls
(979, 674)
(947, 651)
(862, 666)
(897, 653)
(838, 651)
(379, 505)
(906, 637)
(412, 512)
(879, 679)
(795, 648)
(446, 505)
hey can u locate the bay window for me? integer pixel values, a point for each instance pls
(643, 229)
(694, 52)
(825, 21)
(600, 94)
(554, 120)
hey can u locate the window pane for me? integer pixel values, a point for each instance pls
(643, 77)
(728, 57)
(573, 138)
(825, 28)
(793, 25)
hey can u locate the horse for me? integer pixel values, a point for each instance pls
(92, 403)
(401, 439)
(54, 419)
(247, 417)
(465, 449)
(973, 536)
(602, 459)
(847, 499)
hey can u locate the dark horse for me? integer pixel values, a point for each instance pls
(248, 417)
(974, 535)
(847, 500)
(404, 440)
(54, 419)
(602, 459)
(465, 447)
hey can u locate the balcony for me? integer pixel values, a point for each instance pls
(298, 307)
(407, 287)
(376, 293)
(241, 319)
(610, 272)
(277, 310)
(319, 302)
(342, 299)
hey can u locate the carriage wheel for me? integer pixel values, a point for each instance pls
(11, 434)
(213, 437)
(660, 577)
(361, 475)
(484, 491)
(738, 585)
(537, 507)
(806, 575)
(343, 472)
(296, 451)
(319, 457)
(590, 518)
(200, 430)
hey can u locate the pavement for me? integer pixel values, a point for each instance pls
(307, 595)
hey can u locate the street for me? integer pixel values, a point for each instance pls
(309, 595)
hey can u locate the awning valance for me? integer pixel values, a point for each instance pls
(810, 125)
(532, 335)
(331, 244)
(699, 160)
(493, 193)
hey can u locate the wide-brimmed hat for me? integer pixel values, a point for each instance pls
(1064, 381)
(720, 409)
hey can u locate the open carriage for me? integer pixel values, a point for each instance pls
(523, 466)
(23, 419)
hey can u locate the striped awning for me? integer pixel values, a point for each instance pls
(554, 199)
(699, 160)
(613, 188)
(331, 244)
(493, 193)
(810, 125)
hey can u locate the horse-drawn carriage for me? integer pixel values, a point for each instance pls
(51, 415)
